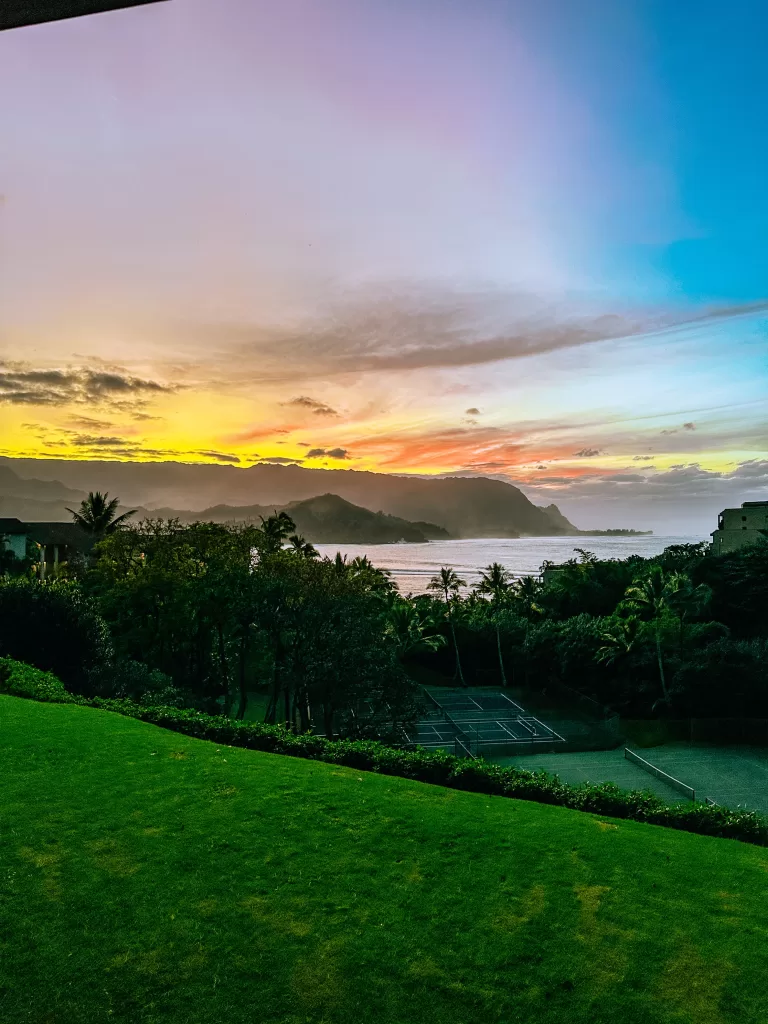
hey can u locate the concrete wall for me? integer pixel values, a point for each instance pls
(740, 527)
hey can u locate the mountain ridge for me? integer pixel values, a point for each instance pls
(463, 506)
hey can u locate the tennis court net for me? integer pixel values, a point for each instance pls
(641, 762)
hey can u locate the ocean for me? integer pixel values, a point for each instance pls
(413, 565)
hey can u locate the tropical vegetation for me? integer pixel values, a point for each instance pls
(250, 621)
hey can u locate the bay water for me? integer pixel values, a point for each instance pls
(413, 565)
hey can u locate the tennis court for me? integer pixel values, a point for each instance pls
(482, 723)
(733, 776)
(477, 704)
(730, 775)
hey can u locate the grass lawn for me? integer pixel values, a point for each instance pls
(148, 877)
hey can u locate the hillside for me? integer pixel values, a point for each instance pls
(464, 506)
(330, 519)
(162, 878)
(325, 519)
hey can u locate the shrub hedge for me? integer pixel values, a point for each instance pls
(21, 680)
(436, 768)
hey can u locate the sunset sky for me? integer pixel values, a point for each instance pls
(522, 239)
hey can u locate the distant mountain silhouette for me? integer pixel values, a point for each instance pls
(557, 517)
(325, 519)
(330, 519)
(463, 506)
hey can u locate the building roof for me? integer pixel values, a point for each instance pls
(68, 534)
(15, 13)
(9, 527)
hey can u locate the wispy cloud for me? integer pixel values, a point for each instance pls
(317, 408)
(686, 485)
(218, 456)
(93, 441)
(279, 460)
(330, 453)
(676, 430)
(21, 384)
(413, 329)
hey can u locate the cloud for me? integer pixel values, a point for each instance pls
(676, 430)
(472, 412)
(218, 456)
(20, 385)
(682, 484)
(89, 423)
(587, 453)
(331, 453)
(93, 441)
(643, 458)
(422, 328)
(318, 408)
(279, 460)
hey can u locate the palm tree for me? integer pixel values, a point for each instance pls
(303, 547)
(97, 514)
(376, 580)
(496, 583)
(527, 590)
(275, 530)
(618, 642)
(448, 583)
(653, 595)
(684, 598)
(413, 627)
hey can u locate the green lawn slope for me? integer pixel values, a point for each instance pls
(148, 877)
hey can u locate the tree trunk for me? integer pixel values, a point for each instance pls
(662, 677)
(328, 721)
(224, 670)
(243, 692)
(270, 715)
(287, 702)
(501, 659)
(304, 716)
(459, 673)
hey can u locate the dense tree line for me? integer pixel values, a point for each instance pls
(684, 633)
(209, 616)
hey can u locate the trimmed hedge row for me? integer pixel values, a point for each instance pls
(444, 769)
(436, 768)
(21, 680)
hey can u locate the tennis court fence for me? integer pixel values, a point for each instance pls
(479, 724)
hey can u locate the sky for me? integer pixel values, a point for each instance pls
(518, 239)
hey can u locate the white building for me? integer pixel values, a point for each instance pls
(13, 537)
(740, 527)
